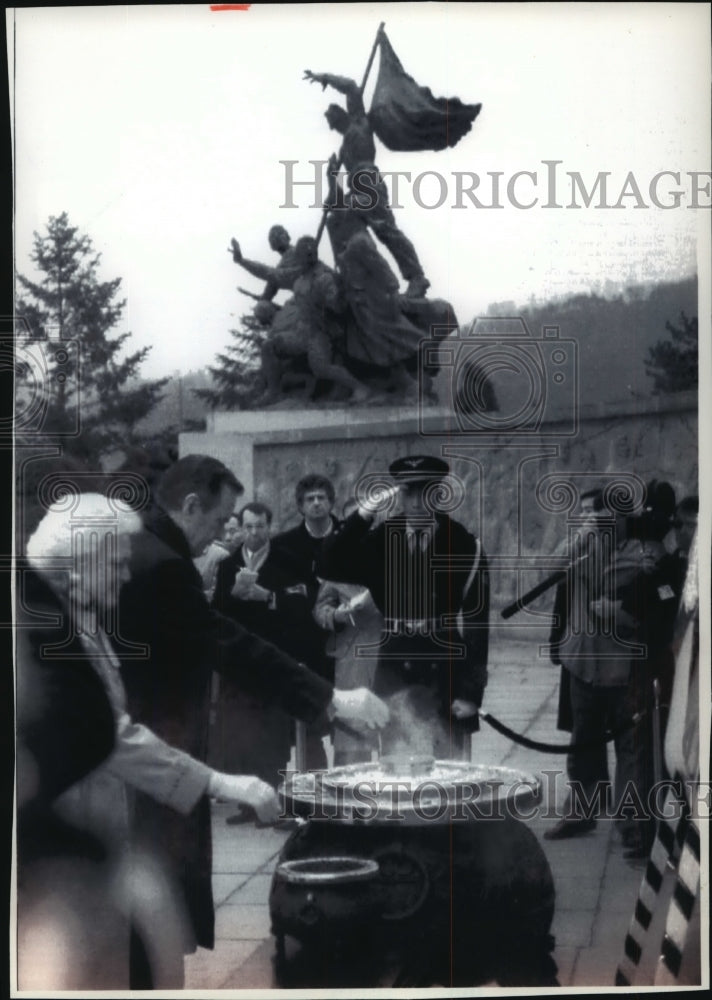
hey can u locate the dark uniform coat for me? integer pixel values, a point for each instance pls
(434, 597)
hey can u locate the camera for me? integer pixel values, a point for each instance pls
(46, 382)
(502, 379)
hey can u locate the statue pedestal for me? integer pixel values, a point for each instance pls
(241, 438)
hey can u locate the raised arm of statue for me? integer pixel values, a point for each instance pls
(344, 85)
(262, 271)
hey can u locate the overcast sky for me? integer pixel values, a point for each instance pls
(160, 131)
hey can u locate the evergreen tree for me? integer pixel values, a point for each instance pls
(236, 376)
(87, 382)
(672, 363)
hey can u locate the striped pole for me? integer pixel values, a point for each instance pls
(669, 833)
(680, 912)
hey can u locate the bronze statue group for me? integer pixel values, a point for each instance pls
(347, 332)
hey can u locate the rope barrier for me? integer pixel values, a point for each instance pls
(525, 741)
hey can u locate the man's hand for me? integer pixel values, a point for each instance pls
(360, 708)
(609, 611)
(315, 78)
(248, 790)
(257, 593)
(342, 615)
(462, 709)
(244, 582)
(380, 501)
(605, 608)
(234, 249)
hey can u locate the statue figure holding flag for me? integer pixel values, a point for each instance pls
(403, 116)
(368, 195)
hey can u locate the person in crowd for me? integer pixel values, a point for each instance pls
(594, 670)
(220, 548)
(163, 608)
(590, 506)
(207, 565)
(232, 535)
(83, 760)
(685, 525)
(349, 613)
(296, 552)
(639, 598)
(606, 640)
(64, 730)
(428, 576)
(253, 590)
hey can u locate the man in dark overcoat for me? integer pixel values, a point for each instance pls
(164, 610)
(260, 595)
(297, 551)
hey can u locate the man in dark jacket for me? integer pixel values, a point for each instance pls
(297, 553)
(428, 576)
(257, 593)
(163, 608)
(613, 609)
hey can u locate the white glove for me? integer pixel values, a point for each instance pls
(246, 789)
(358, 601)
(463, 709)
(360, 707)
(342, 615)
(258, 593)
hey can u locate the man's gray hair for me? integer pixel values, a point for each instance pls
(53, 536)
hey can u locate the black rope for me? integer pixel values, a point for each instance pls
(524, 741)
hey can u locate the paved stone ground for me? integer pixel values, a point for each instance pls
(596, 887)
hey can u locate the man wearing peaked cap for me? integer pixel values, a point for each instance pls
(418, 469)
(428, 576)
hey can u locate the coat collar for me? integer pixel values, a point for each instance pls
(162, 525)
(335, 525)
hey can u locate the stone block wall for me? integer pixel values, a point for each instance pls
(517, 492)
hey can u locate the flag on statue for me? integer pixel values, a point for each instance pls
(406, 117)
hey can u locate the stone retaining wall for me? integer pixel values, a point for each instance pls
(517, 491)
